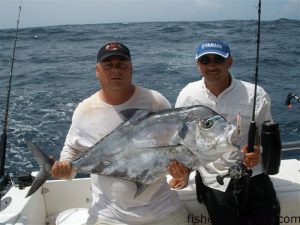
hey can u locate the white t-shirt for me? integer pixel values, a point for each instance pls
(113, 199)
(234, 100)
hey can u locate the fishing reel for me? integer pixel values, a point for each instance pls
(4, 182)
(236, 171)
(21, 182)
(289, 99)
(271, 154)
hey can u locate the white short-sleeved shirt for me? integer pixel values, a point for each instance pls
(235, 100)
(113, 199)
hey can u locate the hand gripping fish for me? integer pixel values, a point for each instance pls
(141, 148)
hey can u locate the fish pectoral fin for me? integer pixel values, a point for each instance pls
(140, 188)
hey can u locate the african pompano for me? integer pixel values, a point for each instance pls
(141, 148)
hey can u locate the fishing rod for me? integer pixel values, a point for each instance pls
(238, 170)
(289, 99)
(252, 127)
(270, 134)
(3, 143)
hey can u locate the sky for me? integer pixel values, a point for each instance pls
(36, 13)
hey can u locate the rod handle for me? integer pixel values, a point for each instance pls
(251, 136)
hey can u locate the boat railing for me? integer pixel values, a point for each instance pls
(290, 146)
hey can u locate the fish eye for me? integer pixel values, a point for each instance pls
(207, 124)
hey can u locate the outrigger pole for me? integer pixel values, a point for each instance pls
(3, 142)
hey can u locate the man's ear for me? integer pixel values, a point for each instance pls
(97, 70)
(230, 61)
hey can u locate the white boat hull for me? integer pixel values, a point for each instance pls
(57, 196)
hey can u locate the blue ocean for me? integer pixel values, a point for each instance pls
(54, 70)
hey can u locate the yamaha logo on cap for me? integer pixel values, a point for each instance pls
(217, 47)
(211, 45)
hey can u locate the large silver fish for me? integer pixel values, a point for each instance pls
(141, 148)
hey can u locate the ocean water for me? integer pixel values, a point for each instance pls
(54, 70)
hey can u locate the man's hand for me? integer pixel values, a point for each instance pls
(62, 170)
(180, 174)
(251, 159)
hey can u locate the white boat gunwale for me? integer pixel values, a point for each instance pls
(56, 196)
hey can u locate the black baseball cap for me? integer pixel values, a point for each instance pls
(113, 49)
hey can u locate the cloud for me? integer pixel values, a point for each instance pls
(56, 12)
(210, 5)
(291, 7)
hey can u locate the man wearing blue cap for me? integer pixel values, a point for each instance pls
(235, 201)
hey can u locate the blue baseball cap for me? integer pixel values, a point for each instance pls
(213, 47)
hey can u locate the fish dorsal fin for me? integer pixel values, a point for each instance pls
(135, 115)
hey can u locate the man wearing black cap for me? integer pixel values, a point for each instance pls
(233, 201)
(113, 199)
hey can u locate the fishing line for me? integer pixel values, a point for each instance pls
(5, 118)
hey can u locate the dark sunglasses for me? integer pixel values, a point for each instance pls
(217, 59)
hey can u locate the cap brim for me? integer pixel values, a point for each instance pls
(220, 53)
(113, 54)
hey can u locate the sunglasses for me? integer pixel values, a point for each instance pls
(217, 59)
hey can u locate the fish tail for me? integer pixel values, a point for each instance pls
(45, 163)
